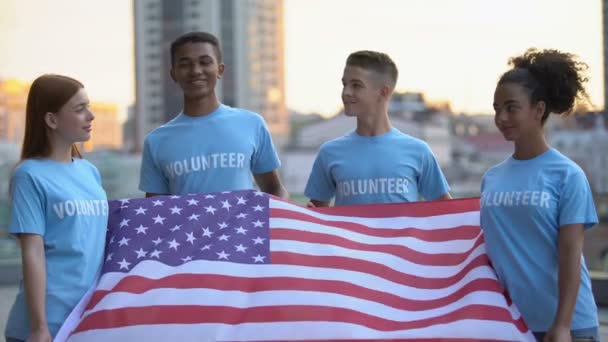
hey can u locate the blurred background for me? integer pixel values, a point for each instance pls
(284, 60)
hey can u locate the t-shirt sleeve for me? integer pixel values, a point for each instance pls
(320, 185)
(27, 206)
(576, 201)
(151, 177)
(265, 157)
(432, 183)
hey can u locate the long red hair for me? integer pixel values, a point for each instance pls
(47, 94)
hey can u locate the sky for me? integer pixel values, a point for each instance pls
(452, 50)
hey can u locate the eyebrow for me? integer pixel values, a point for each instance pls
(81, 104)
(508, 102)
(187, 59)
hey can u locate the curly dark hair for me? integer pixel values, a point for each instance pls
(552, 76)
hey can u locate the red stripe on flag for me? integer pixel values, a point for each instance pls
(420, 258)
(412, 209)
(432, 235)
(138, 285)
(376, 269)
(191, 314)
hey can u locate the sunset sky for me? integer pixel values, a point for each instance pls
(451, 50)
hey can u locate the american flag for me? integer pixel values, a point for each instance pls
(245, 266)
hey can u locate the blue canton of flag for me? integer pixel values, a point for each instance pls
(229, 226)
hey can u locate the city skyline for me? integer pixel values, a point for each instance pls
(435, 43)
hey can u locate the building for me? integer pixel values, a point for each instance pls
(107, 129)
(408, 113)
(588, 149)
(251, 33)
(13, 100)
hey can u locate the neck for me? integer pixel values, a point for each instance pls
(201, 106)
(373, 125)
(530, 147)
(60, 151)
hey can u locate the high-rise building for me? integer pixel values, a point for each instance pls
(107, 130)
(107, 133)
(251, 34)
(13, 100)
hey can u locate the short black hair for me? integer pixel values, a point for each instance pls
(378, 62)
(196, 37)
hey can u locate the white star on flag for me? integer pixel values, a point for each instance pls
(157, 203)
(241, 200)
(140, 211)
(190, 238)
(241, 248)
(141, 229)
(193, 217)
(207, 232)
(258, 224)
(176, 210)
(159, 219)
(210, 209)
(155, 254)
(226, 205)
(192, 201)
(258, 241)
(258, 258)
(141, 253)
(124, 223)
(173, 244)
(258, 208)
(124, 242)
(124, 264)
(222, 255)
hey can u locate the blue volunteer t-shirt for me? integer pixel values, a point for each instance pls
(66, 205)
(523, 205)
(212, 153)
(393, 167)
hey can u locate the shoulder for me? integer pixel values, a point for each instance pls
(340, 142)
(86, 165)
(493, 170)
(242, 114)
(28, 168)
(411, 141)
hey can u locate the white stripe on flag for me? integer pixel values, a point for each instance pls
(450, 246)
(473, 329)
(155, 270)
(237, 299)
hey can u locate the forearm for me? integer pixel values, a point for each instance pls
(34, 280)
(278, 191)
(570, 249)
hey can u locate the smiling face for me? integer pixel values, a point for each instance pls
(73, 122)
(196, 69)
(363, 91)
(515, 116)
